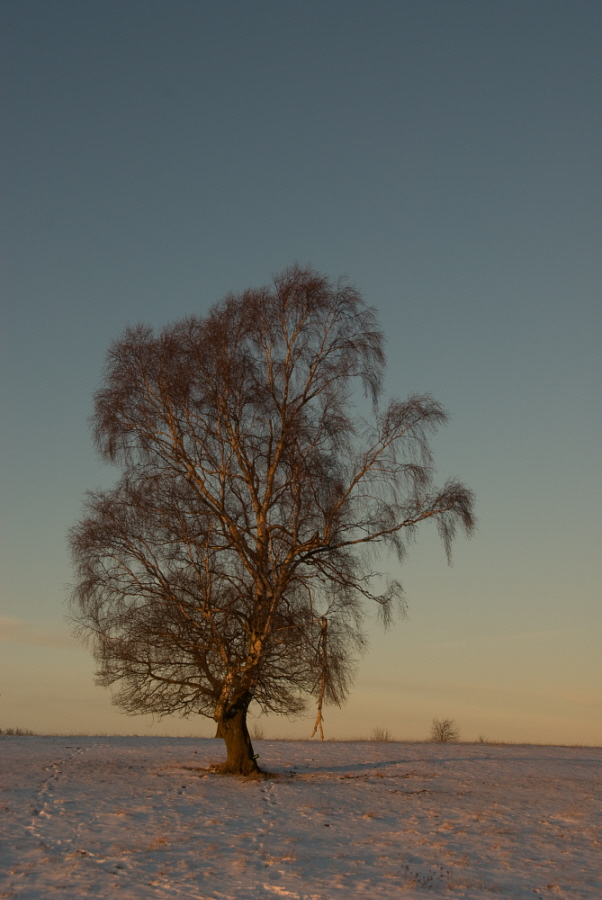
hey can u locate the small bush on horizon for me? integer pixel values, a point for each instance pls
(257, 732)
(381, 735)
(15, 731)
(444, 731)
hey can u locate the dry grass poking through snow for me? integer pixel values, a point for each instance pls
(142, 818)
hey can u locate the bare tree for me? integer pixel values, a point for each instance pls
(381, 735)
(444, 731)
(231, 562)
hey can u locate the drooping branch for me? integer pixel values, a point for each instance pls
(323, 677)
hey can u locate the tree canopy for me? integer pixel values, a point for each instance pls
(234, 558)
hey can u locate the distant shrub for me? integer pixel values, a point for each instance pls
(444, 731)
(381, 735)
(15, 731)
(257, 733)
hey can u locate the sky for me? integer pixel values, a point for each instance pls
(447, 159)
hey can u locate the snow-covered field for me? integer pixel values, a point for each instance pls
(136, 817)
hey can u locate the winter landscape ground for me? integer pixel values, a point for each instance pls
(139, 817)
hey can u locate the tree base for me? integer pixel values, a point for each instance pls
(254, 774)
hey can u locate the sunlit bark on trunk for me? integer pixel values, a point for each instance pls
(232, 727)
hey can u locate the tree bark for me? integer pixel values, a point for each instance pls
(232, 727)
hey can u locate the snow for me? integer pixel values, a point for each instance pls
(137, 817)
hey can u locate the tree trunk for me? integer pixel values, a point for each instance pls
(232, 727)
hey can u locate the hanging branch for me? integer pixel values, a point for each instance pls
(323, 677)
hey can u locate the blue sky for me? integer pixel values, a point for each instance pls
(443, 156)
